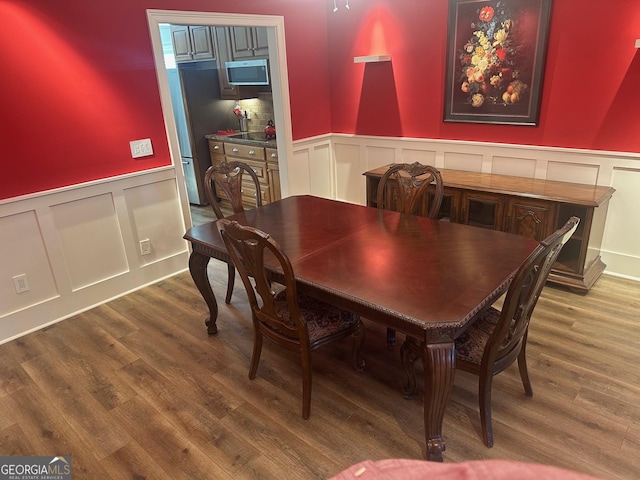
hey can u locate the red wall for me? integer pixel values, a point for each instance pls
(79, 83)
(79, 80)
(589, 100)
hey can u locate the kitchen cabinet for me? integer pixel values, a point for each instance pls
(529, 207)
(273, 173)
(249, 42)
(263, 161)
(223, 48)
(254, 157)
(192, 43)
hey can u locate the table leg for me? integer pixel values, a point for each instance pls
(410, 353)
(198, 269)
(439, 370)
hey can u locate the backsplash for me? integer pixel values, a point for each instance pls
(261, 111)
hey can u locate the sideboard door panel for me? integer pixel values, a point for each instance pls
(530, 218)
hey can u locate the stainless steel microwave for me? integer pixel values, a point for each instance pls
(248, 72)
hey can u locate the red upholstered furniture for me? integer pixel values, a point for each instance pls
(403, 469)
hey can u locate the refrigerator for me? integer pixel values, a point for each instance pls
(198, 110)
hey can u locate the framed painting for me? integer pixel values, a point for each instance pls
(496, 53)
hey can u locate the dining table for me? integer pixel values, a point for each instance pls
(427, 279)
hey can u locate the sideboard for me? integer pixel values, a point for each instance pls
(524, 206)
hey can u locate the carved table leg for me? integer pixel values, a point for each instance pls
(409, 352)
(439, 370)
(198, 269)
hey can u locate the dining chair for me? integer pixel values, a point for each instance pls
(292, 320)
(408, 190)
(226, 178)
(406, 194)
(499, 337)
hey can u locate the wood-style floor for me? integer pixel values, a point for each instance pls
(136, 389)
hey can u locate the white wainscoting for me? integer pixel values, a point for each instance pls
(352, 155)
(80, 246)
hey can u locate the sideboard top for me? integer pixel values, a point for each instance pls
(565, 192)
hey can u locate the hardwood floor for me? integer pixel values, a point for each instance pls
(136, 389)
(203, 214)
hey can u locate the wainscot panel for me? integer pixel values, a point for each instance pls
(79, 246)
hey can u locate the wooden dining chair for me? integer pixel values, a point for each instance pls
(499, 337)
(294, 321)
(406, 193)
(226, 178)
(409, 187)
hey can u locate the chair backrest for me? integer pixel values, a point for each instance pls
(227, 177)
(413, 181)
(248, 247)
(505, 342)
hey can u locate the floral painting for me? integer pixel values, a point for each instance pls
(495, 60)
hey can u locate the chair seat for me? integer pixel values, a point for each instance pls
(470, 344)
(322, 319)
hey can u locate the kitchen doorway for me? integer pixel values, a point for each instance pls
(279, 84)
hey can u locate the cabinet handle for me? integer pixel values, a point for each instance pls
(252, 152)
(216, 147)
(234, 150)
(274, 155)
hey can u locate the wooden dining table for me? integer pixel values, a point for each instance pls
(425, 278)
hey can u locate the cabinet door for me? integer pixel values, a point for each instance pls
(181, 43)
(241, 42)
(450, 206)
(483, 210)
(260, 42)
(273, 174)
(249, 42)
(192, 43)
(223, 47)
(529, 218)
(201, 43)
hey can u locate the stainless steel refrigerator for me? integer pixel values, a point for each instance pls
(198, 110)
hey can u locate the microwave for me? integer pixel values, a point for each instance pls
(248, 72)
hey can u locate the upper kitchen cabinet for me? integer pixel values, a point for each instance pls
(223, 47)
(249, 42)
(192, 43)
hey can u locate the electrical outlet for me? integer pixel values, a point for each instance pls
(145, 246)
(141, 148)
(21, 283)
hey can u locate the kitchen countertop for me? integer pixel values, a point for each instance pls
(257, 139)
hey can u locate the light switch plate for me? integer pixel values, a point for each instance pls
(141, 148)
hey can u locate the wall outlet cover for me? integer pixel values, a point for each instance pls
(141, 148)
(145, 247)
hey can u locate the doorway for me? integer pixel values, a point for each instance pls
(279, 82)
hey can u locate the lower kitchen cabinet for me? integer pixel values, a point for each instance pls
(528, 207)
(263, 161)
(273, 173)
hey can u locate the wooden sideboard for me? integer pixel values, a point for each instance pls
(524, 206)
